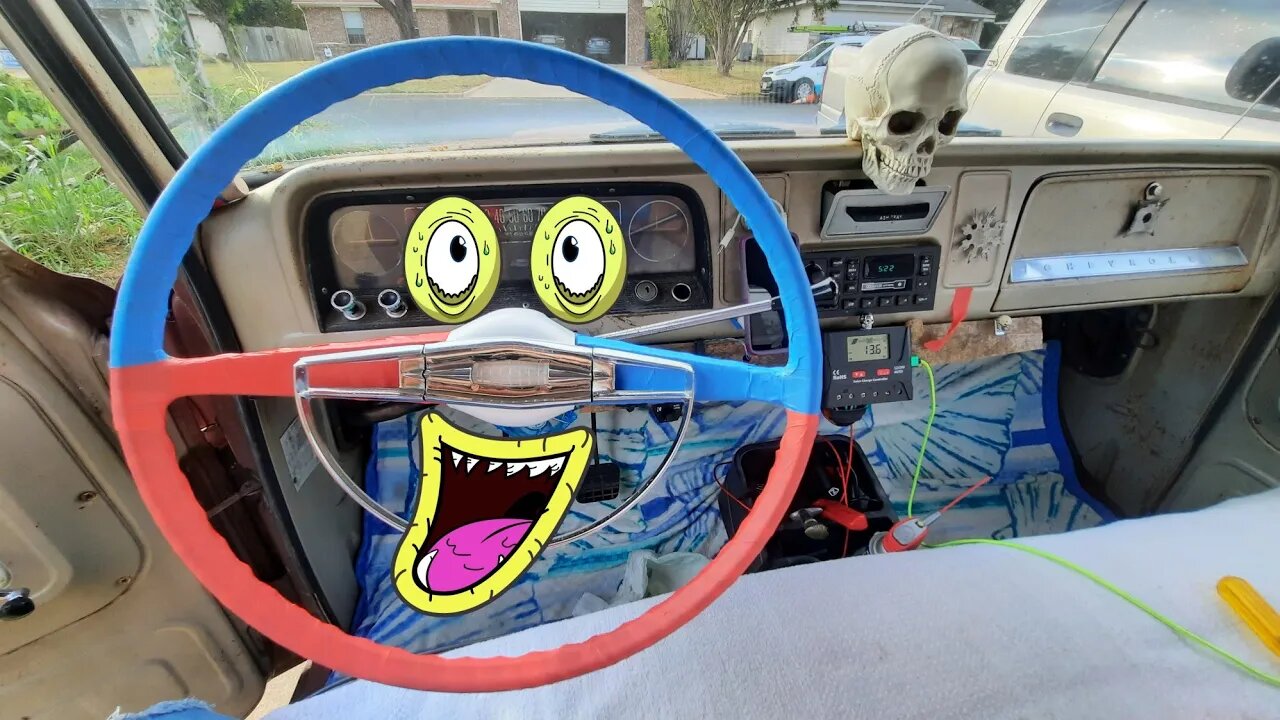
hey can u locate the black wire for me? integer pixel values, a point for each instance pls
(595, 441)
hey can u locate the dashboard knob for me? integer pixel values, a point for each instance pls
(815, 272)
(345, 302)
(16, 603)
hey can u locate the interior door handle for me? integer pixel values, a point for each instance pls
(1063, 124)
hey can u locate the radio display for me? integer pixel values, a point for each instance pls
(878, 267)
(861, 348)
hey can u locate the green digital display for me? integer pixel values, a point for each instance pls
(879, 267)
(861, 348)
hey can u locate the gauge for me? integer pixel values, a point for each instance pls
(659, 232)
(367, 243)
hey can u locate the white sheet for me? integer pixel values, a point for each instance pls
(972, 632)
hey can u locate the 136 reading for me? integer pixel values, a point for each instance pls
(867, 347)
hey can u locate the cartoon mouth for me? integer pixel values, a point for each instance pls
(487, 509)
(579, 298)
(466, 544)
(451, 299)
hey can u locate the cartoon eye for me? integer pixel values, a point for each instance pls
(452, 260)
(577, 260)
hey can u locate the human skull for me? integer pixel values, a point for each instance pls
(904, 99)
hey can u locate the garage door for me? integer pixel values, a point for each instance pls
(596, 34)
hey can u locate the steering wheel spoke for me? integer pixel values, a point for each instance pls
(715, 379)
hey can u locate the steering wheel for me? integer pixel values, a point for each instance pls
(145, 380)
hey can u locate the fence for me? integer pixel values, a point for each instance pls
(273, 43)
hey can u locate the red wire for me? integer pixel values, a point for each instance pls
(965, 494)
(836, 454)
(725, 490)
(844, 488)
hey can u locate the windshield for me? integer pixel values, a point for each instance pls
(814, 52)
(1060, 69)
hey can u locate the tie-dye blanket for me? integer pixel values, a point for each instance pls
(995, 417)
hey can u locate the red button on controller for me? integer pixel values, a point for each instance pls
(883, 372)
(858, 374)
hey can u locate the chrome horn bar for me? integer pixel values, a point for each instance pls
(507, 374)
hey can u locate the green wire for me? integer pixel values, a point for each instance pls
(933, 410)
(1179, 630)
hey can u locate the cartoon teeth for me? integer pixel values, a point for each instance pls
(535, 468)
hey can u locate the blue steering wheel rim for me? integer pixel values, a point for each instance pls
(137, 336)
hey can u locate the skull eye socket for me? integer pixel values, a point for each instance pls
(904, 122)
(950, 122)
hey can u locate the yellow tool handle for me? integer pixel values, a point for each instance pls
(1261, 618)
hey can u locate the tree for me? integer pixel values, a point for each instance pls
(268, 13)
(219, 13)
(670, 22)
(402, 12)
(725, 22)
(176, 45)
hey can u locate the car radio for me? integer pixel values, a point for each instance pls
(897, 279)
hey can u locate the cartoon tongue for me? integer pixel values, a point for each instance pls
(467, 555)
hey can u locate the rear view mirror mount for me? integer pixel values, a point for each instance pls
(1256, 75)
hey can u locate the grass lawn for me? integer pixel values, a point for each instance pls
(743, 79)
(159, 81)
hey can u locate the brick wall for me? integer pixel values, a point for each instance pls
(635, 32)
(327, 31)
(509, 19)
(432, 23)
(379, 27)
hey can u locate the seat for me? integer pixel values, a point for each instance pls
(965, 632)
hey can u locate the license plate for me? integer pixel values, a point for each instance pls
(764, 84)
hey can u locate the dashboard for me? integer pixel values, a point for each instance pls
(356, 248)
(1022, 227)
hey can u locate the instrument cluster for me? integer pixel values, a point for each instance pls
(367, 272)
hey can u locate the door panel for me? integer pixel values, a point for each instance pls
(1010, 102)
(59, 535)
(1240, 454)
(1106, 114)
(119, 621)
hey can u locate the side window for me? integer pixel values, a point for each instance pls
(58, 207)
(354, 23)
(1185, 49)
(1057, 39)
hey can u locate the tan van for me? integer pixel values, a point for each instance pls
(1128, 69)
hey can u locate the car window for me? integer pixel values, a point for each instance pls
(1055, 43)
(1185, 49)
(814, 52)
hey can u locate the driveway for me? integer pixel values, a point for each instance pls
(508, 88)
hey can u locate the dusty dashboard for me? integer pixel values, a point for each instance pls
(356, 247)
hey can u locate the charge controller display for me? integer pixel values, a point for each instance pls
(862, 367)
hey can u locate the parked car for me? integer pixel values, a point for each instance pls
(973, 52)
(1110, 68)
(802, 78)
(554, 40)
(599, 48)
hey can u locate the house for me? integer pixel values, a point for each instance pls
(133, 29)
(770, 35)
(341, 26)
